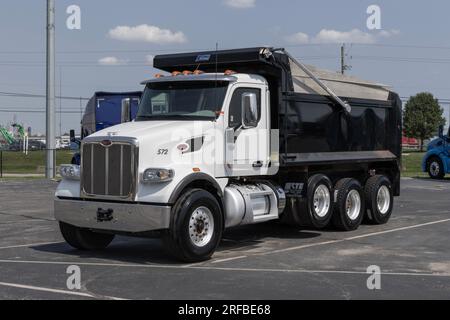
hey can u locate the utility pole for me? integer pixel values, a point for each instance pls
(50, 171)
(344, 67)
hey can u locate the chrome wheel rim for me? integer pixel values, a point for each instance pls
(383, 200)
(353, 205)
(435, 168)
(321, 201)
(201, 226)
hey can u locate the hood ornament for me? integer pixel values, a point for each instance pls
(106, 143)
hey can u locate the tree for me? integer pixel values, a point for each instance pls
(422, 116)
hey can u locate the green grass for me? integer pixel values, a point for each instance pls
(33, 163)
(412, 164)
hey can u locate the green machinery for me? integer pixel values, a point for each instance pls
(10, 139)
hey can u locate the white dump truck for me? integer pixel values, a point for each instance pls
(230, 138)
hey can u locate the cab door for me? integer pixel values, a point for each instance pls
(247, 133)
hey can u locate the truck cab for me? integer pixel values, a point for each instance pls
(436, 161)
(232, 138)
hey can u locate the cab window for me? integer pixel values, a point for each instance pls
(236, 107)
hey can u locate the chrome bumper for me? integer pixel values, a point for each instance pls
(132, 218)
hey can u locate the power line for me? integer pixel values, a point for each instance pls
(39, 111)
(404, 59)
(109, 51)
(409, 46)
(29, 95)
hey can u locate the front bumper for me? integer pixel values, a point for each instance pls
(123, 217)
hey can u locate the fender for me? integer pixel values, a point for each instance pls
(435, 153)
(194, 177)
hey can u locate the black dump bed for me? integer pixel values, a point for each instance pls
(313, 127)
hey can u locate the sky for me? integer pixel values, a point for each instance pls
(114, 48)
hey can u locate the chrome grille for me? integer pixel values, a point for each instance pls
(109, 170)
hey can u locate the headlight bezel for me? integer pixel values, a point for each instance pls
(70, 172)
(159, 175)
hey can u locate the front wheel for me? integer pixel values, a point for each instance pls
(84, 239)
(435, 168)
(196, 227)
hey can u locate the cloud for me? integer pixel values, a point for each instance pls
(335, 36)
(240, 4)
(111, 61)
(388, 34)
(149, 59)
(298, 38)
(147, 33)
(353, 36)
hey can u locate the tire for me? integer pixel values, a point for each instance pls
(435, 168)
(348, 192)
(83, 239)
(188, 238)
(379, 200)
(319, 202)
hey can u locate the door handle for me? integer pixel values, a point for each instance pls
(257, 164)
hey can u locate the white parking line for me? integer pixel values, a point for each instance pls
(21, 221)
(367, 235)
(228, 259)
(154, 266)
(42, 289)
(29, 245)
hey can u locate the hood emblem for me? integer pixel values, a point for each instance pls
(106, 143)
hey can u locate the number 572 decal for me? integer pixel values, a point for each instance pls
(163, 152)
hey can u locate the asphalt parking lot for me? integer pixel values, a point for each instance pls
(267, 261)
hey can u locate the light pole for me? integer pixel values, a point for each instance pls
(50, 171)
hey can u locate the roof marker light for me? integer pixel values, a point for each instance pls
(230, 72)
(187, 73)
(176, 73)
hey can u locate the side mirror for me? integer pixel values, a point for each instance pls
(72, 136)
(441, 131)
(250, 114)
(126, 110)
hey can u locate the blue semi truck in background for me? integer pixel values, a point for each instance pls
(104, 110)
(107, 109)
(436, 161)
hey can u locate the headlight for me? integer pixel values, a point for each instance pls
(70, 171)
(158, 175)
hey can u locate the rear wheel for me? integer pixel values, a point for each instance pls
(84, 239)
(320, 203)
(435, 168)
(349, 205)
(379, 199)
(195, 228)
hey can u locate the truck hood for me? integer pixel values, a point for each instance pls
(159, 131)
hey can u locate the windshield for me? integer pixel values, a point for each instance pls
(194, 100)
